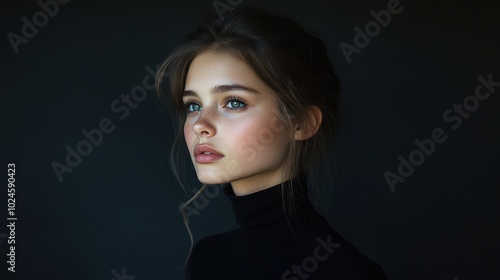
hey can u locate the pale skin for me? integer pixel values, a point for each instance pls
(246, 130)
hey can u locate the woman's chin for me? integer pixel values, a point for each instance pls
(211, 179)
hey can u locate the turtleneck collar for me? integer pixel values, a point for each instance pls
(266, 207)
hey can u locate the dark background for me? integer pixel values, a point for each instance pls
(118, 208)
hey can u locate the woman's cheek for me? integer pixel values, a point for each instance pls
(246, 143)
(189, 136)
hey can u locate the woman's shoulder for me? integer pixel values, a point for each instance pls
(346, 259)
(329, 255)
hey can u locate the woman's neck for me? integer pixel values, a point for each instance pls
(258, 182)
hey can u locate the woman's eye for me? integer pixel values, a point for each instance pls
(232, 103)
(191, 106)
(235, 104)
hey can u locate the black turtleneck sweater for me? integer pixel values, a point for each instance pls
(267, 246)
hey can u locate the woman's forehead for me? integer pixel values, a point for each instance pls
(211, 69)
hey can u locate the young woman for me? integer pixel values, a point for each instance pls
(256, 97)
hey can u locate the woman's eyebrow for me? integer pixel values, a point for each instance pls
(223, 88)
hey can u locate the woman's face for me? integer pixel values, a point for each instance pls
(230, 109)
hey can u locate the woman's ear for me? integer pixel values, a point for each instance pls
(313, 124)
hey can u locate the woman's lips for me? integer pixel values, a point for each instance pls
(207, 158)
(206, 154)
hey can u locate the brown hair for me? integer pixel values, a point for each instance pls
(290, 60)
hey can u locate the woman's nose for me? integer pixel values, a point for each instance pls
(203, 127)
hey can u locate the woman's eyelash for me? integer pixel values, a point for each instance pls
(237, 99)
(189, 102)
